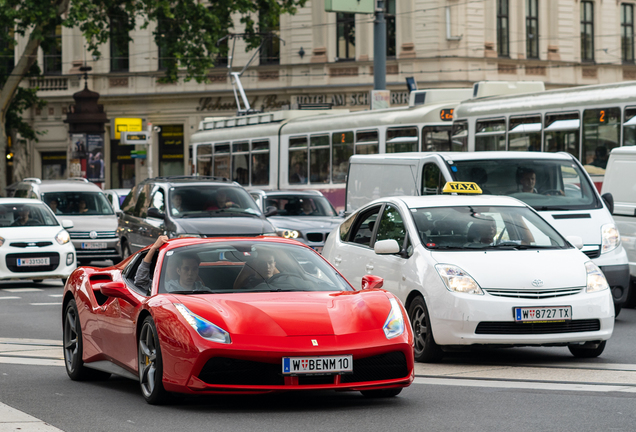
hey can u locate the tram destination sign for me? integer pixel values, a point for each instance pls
(134, 138)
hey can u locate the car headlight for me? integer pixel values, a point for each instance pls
(595, 278)
(205, 328)
(63, 237)
(610, 238)
(288, 234)
(457, 280)
(1, 241)
(394, 325)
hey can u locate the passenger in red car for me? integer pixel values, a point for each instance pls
(188, 271)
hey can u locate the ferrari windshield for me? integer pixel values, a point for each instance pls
(210, 201)
(540, 183)
(247, 266)
(495, 228)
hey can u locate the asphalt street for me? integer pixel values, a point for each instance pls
(521, 389)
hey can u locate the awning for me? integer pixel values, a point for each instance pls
(526, 128)
(564, 125)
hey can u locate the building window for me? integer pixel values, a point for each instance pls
(503, 45)
(532, 28)
(119, 42)
(346, 36)
(7, 52)
(52, 50)
(391, 42)
(163, 31)
(587, 31)
(627, 33)
(171, 151)
(270, 52)
(222, 56)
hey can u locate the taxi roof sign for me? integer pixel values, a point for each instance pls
(462, 187)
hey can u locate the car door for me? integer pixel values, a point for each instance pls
(393, 268)
(155, 227)
(355, 257)
(137, 237)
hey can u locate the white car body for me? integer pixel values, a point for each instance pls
(34, 241)
(505, 276)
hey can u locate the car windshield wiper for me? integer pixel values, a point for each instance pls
(446, 247)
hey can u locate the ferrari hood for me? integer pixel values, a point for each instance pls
(293, 314)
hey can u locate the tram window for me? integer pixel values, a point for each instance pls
(342, 151)
(436, 138)
(459, 136)
(490, 135)
(319, 159)
(297, 168)
(204, 159)
(367, 142)
(561, 133)
(400, 140)
(241, 162)
(260, 163)
(601, 130)
(629, 126)
(524, 133)
(221, 160)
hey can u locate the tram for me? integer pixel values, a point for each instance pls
(587, 122)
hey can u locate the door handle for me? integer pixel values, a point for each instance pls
(369, 267)
(337, 260)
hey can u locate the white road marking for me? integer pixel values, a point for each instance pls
(56, 295)
(9, 298)
(12, 419)
(603, 388)
(46, 304)
(30, 362)
(17, 290)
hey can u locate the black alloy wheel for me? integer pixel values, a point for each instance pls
(150, 364)
(583, 351)
(425, 349)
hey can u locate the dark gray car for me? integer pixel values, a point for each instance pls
(188, 206)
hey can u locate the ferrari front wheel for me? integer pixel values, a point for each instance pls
(72, 338)
(425, 349)
(150, 364)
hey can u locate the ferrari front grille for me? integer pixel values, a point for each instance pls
(377, 368)
(229, 371)
(514, 328)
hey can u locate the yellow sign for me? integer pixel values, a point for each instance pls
(462, 187)
(127, 125)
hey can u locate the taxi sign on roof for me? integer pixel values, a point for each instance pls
(462, 187)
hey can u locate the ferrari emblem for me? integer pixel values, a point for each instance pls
(314, 342)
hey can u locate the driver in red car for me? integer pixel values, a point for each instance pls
(262, 269)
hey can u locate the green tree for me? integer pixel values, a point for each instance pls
(187, 35)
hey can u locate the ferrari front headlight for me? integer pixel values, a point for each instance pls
(457, 280)
(610, 238)
(205, 328)
(63, 237)
(595, 278)
(394, 325)
(288, 234)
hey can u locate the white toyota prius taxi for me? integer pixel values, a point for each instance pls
(477, 270)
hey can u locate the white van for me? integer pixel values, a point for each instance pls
(620, 182)
(554, 184)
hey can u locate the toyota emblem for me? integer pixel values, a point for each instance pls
(93, 234)
(537, 283)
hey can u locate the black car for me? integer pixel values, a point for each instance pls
(188, 206)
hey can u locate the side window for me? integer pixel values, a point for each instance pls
(128, 206)
(431, 180)
(363, 227)
(21, 193)
(32, 195)
(391, 225)
(159, 201)
(143, 200)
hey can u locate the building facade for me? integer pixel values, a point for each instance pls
(326, 57)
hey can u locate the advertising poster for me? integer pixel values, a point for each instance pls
(78, 145)
(95, 158)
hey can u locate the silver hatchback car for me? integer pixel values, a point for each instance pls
(94, 232)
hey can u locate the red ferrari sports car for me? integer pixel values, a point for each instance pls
(234, 315)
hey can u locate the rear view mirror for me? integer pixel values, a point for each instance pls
(155, 213)
(118, 290)
(386, 247)
(371, 282)
(270, 211)
(609, 201)
(575, 241)
(67, 224)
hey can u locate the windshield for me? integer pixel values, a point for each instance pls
(78, 203)
(470, 228)
(542, 184)
(246, 266)
(210, 201)
(26, 215)
(300, 205)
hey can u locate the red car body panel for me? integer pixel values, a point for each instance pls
(264, 327)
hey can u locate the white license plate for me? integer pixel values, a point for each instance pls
(30, 262)
(94, 245)
(317, 365)
(535, 314)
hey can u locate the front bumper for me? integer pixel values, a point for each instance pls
(57, 269)
(456, 318)
(618, 279)
(86, 250)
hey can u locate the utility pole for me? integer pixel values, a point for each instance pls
(379, 47)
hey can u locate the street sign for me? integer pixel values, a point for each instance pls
(350, 6)
(127, 125)
(134, 138)
(380, 99)
(138, 154)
